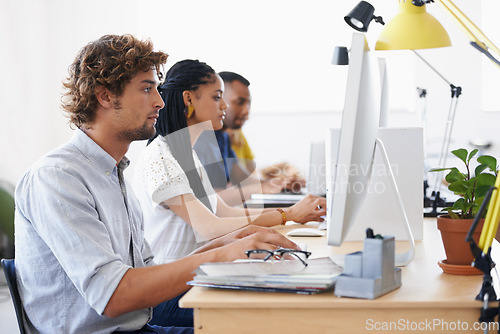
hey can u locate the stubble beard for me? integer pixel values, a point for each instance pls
(141, 133)
(236, 127)
(144, 132)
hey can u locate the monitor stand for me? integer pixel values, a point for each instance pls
(402, 259)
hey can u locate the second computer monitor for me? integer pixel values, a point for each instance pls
(350, 153)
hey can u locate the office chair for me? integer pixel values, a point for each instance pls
(9, 268)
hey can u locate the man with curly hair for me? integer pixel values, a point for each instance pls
(82, 263)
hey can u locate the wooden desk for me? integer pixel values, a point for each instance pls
(428, 302)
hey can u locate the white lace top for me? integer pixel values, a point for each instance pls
(159, 177)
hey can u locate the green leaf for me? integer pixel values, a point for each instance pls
(467, 206)
(489, 161)
(479, 169)
(462, 206)
(438, 169)
(485, 179)
(479, 202)
(481, 191)
(459, 187)
(454, 175)
(458, 204)
(453, 214)
(461, 153)
(471, 154)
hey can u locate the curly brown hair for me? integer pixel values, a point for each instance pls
(111, 61)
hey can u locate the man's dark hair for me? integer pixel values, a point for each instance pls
(111, 61)
(229, 77)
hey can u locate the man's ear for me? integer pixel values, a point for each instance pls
(103, 96)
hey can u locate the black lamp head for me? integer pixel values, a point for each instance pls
(340, 56)
(360, 16)
(420, 3)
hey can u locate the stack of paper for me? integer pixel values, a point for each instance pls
(319, 275)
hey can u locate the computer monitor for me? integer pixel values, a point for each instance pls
(360, 121)
(349, 177)
(316, 175)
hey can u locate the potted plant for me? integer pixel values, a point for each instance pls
(472, 187)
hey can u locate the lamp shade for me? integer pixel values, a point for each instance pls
(340, 56)
(412, 29)
(360, 16)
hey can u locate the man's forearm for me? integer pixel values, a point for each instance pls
(141, 288)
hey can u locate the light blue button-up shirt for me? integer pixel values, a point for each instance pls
(78, 230)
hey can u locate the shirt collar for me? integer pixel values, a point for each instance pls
(95, 154)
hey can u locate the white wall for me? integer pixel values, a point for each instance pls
(283, 47)
(39, 40)
(460, 64)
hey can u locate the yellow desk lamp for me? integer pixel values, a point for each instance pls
(413, 29)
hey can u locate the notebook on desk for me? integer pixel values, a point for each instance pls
(320, 275)
(301, 290)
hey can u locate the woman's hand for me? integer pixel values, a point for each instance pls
(310, 208)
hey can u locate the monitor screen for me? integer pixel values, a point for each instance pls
(348, 180)
(316, 176)
(350, 155)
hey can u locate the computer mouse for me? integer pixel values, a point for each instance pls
(305, 232)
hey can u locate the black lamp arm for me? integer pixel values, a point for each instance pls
(476, 251)
(486, 52)
(479, 214)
